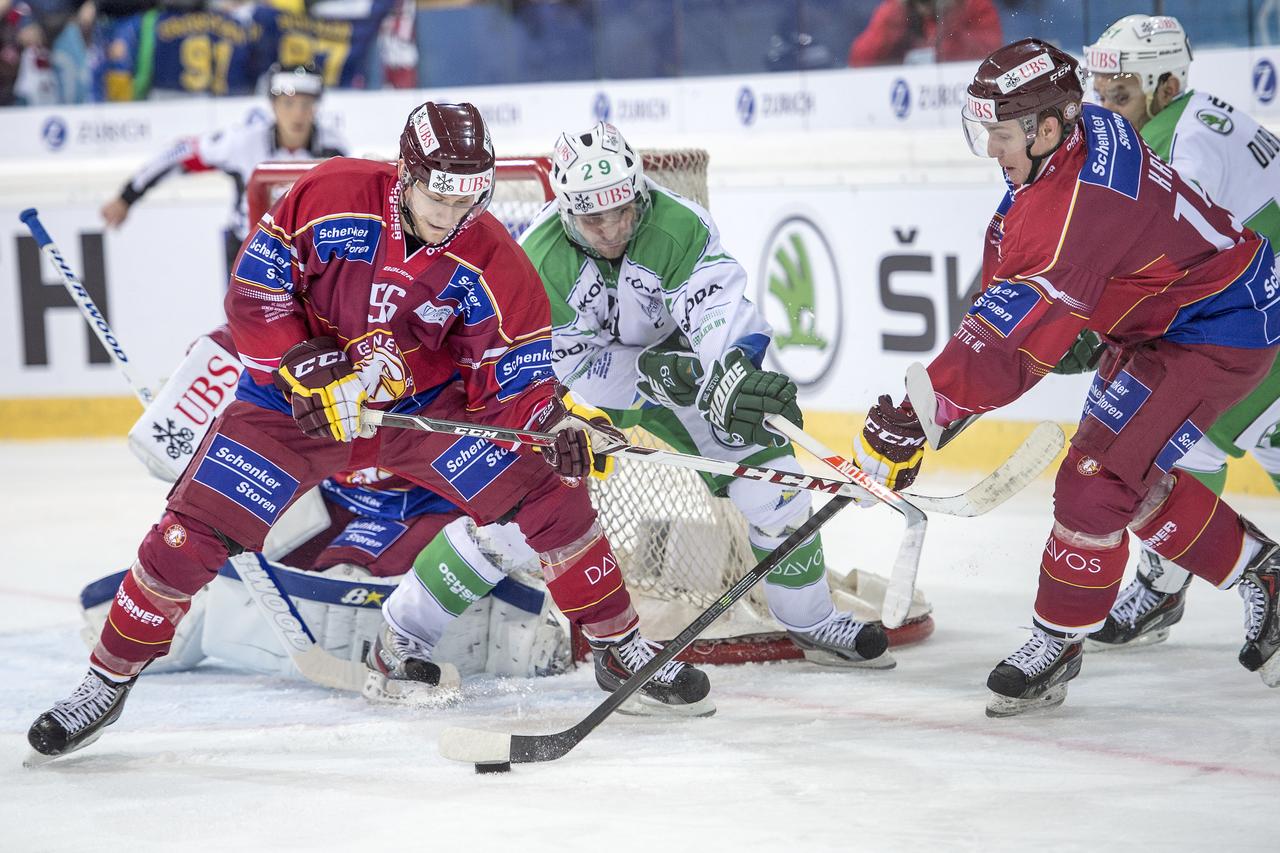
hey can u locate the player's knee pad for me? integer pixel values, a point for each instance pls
(183, 552)
(1183, 521)
(1090, 499)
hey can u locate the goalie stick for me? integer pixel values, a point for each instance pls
(291, 630)
(1022, 466)
(483, 747)
(84, 302)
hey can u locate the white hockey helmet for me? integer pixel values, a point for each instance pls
(593, 172)
(1146, 46)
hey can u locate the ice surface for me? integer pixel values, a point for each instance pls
(1168, 748)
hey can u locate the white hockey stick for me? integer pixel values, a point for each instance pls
(287, 624)
(1019, 469)
(85, 303)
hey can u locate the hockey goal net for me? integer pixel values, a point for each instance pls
(680, 547)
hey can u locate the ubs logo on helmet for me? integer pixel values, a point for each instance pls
(746, 105)
(1264, 81)
(981, 109)
(900, 98)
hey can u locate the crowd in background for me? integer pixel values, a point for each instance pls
(76, 51)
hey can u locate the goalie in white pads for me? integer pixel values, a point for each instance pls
(651, 323)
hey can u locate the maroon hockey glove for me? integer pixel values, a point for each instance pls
(891, 445)
(584, 437)
(327, 395)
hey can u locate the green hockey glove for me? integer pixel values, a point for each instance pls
(736, 397)
(669, 373)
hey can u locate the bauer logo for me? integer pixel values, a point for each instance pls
(799, 293)
(1115, 403)
(900, 98)
(266, 263)
(247, 479)
(1264, 81)
(521, 366)
(466, 289)
(1005, 304)
(470, 465)
(1178, 445)
(353, 238)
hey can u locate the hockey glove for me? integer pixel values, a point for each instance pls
(891, 445)
(584, 438)
(669, 373)
(316, 376)
(737, 396)
(1083, 355)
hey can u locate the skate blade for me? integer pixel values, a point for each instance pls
(1007, 706)
(1150, 639)
(640, 705)
(414, 694)
(825, 658)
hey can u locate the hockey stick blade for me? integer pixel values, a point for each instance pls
(920, 392)
(483, 747)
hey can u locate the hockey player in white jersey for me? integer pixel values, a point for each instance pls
(651, 323)
(1139, 69)
(293, 134)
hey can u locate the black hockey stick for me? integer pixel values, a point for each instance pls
(493, 748)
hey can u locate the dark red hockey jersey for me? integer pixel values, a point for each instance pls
(1109, 238)
(331, 258)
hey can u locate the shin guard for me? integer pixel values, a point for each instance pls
(1194, 528)
(586, 583)
(140, 624)
(1078, 581)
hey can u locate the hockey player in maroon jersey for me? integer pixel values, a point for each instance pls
(386, 286)
(1096, 232)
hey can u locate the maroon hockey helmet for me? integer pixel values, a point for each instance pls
(446, 150)
(1022, 81)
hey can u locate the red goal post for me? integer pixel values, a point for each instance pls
(680, 547)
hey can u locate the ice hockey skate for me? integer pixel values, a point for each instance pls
(844, 641)
(1142, 615)
(77, 721)
(678, 689)
(1259, 587)
(401, 672)
(1034, 678)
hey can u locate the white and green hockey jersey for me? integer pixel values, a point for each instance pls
(674, 275)
(1226, 152)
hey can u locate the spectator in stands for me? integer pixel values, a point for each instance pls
(911, 31)
(236, 151)
(25, 74)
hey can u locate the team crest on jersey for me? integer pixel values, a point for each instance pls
(380, 364)
(353, 238)
(175, 536)
(467, 289)
(1088, 466)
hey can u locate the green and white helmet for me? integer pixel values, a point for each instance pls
(1146, 46)
(595, 171)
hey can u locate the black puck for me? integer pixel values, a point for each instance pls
(500, 767)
